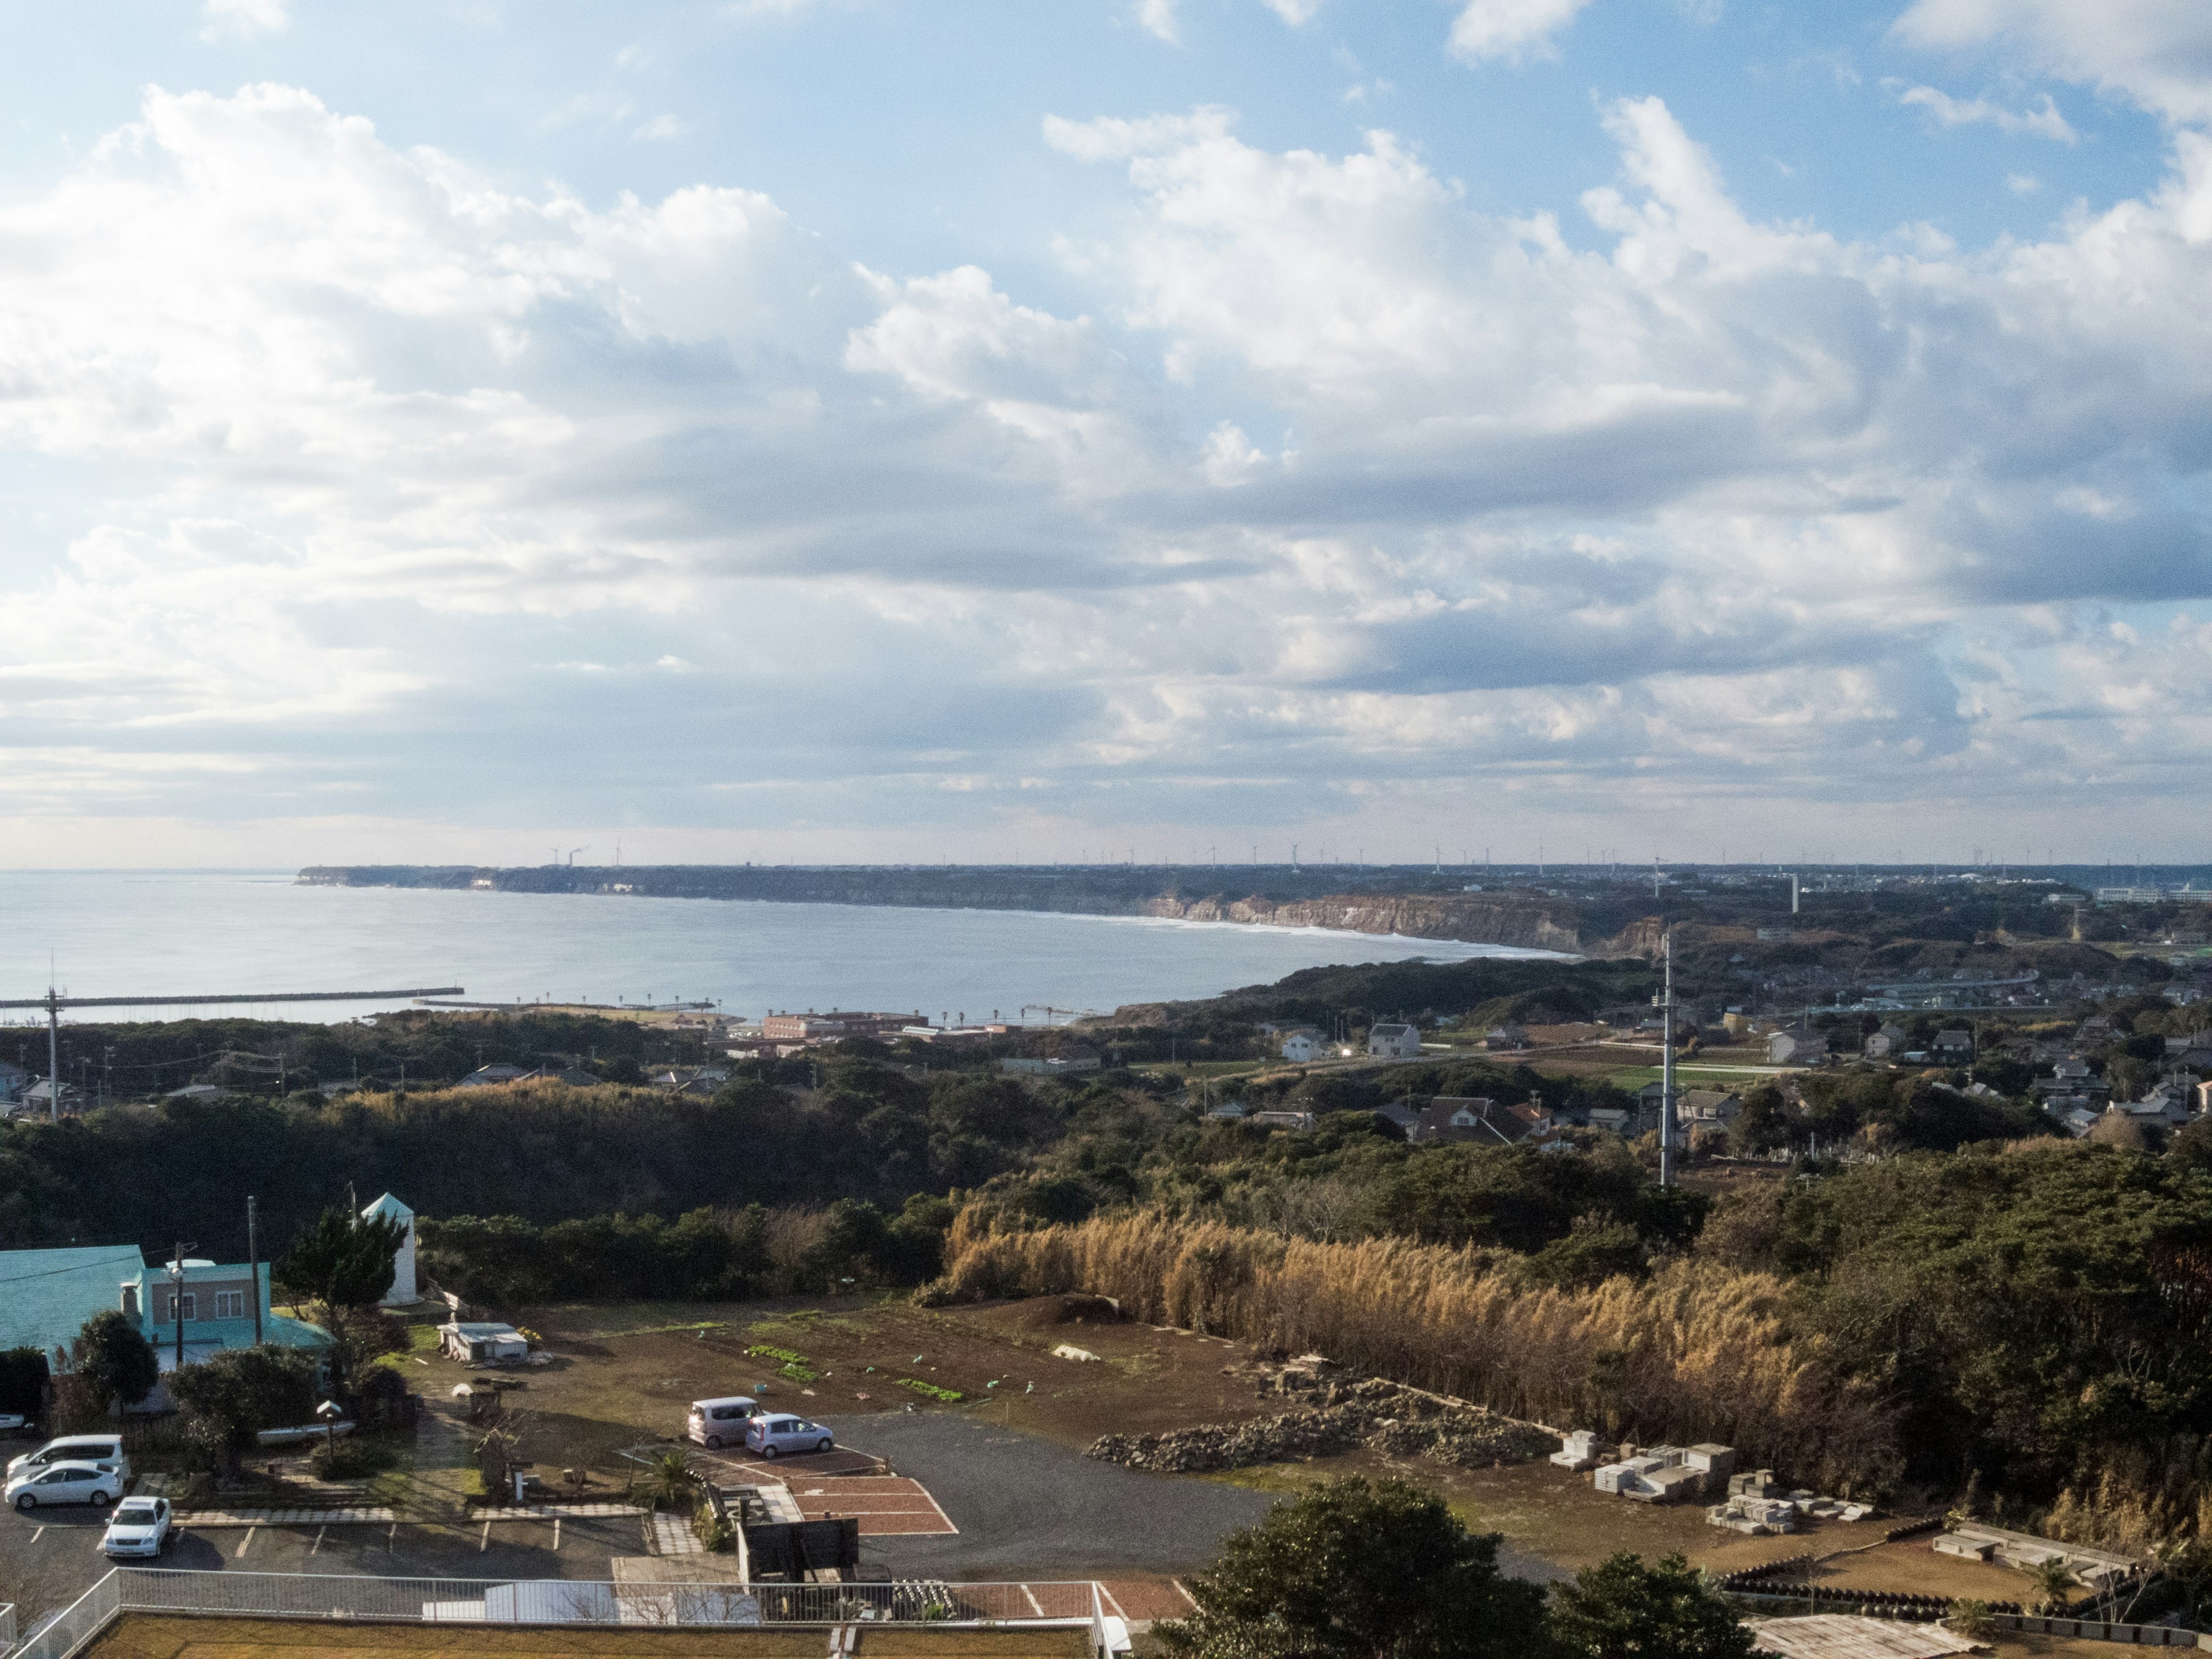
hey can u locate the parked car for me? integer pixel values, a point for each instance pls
(771, 1437)
(140, 1526)
(75, 1448)
(715, 1424)
(64, 1483)
(13, 1423)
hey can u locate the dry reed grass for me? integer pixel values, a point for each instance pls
(1699, 1352)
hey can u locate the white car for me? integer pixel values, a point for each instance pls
(13, 1423)
(771, 1437)
(140, 1526)
(64, 1483)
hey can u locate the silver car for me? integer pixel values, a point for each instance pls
(140, 1526)
(64, 1483)
(772, 1437)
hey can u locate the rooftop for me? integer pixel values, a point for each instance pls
(168, 1636)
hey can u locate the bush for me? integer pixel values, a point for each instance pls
(350, 1459)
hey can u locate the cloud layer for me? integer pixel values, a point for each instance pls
(418, 500)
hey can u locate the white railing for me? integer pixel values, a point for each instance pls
(76, 1624)
(557, 1602)
(7, 1626)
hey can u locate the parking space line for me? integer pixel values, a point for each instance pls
(247, 1539)
(1111, 1602)
(484, 1543)
(1035, 1606)
(556, 1534)
(39, 1533)
(392, 1540)
(1184, 1592)
(316, 1547)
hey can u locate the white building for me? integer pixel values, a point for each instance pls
(403, 1292)
(1394, 1041)
(1303, 1046)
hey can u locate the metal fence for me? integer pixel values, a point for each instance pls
(7, 1625)
(556, 1601)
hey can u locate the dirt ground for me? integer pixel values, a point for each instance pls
(620, 1378)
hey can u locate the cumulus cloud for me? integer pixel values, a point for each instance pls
(2157, 52)
(1512, 29)
(1342, 491)
(2042, 121)
(1158, 17)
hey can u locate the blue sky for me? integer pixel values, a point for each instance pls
(852, 428)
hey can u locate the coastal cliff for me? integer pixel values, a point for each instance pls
(1463, 919)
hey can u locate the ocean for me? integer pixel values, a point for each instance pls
(142, 933)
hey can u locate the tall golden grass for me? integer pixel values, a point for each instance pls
(1699, 1352)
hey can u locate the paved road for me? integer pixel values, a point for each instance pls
(1029, 1509)
(59, 1549)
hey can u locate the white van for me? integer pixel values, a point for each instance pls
(715, 1424)
(75, 1448)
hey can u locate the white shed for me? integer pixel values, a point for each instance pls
(403, 1292)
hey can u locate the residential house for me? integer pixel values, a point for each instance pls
(1229, 1111)
(479, 1344)
(808, 1027)
(1797, 1047)
(212, 1306)
(1506, 1039)
(37, 1098)
(1301, 1047)
(1954, 1047)
(14, 1079)
(46, 1296)
(489, 1077)
(1400, 1116)
(1706, 1106)
(1297, 1122)
(1474, 1121)
(1890, 1040)
(1391, 1041)
(2069, 1076)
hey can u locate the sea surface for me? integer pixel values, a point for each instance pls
(146, 933)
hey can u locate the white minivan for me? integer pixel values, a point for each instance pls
(715, 1424)
(75, 1448)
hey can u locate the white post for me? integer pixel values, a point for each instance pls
(1667, 1071)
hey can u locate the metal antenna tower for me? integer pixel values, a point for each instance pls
(1667, 1069)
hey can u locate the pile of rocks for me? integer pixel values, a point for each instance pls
(1344, 1416)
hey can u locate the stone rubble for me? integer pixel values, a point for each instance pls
(1345, 1415)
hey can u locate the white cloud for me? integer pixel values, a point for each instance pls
(1158, 17)
(659, 129)
(242, 17)
(1296, 13)
(2022, 184)
(1512, 29)
(2157, 52)
(2041, 122)
(1343, 489)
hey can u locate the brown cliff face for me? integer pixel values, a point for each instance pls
(1469, 921)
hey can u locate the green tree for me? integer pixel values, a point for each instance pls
(342, 1262)
(236, 1394)
(115, 1360)
(1622, 1609)
(1355, 1571)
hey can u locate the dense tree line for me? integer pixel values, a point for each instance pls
(541, 1153)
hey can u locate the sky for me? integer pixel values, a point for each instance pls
(857, 430)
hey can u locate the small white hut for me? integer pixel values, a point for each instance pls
(403, 1292)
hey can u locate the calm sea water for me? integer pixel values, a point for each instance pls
(164, 933)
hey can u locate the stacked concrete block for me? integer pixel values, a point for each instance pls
(1578, 1451)
(1619, 1479)
(1756, 1483)
(1756, 1516)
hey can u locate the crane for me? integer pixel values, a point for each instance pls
(54, 1002)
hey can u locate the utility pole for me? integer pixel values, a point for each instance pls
(1667, 1070)
(253, 1262)
(177, 1296)
(54, 1053)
